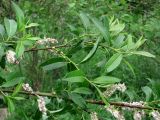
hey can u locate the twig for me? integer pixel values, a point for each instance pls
(118, 104)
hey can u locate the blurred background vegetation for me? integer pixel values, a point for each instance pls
(60, 19)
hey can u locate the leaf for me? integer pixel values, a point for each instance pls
(20, 49)
(143, 53)
(113, 62)
(84, 19)
(13, 82)
(53, 63)
(77, 99)
(102, 97)
(82, 90)
(18, 98)
(34, 38)
(106, 80)
(1, 50)
(74, 73)
(32, 25)
(74, 79)
(92, 52)
(19, 15)
(11, 26)
(130, 66)
(11, 105)
(148, 92)
(101, 28)
(2, 30)
(17, 89)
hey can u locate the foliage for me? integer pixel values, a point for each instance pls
(91, 50)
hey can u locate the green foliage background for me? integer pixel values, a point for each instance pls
(60, 19)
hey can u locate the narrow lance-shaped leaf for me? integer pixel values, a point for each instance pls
(105, 80)
(11, 105)
(12, 82)
(53, 63)
(19, 15)
(77, 99)
(143, 53)
(113, 62)
(2, 30)
(84, 19)
(148, 92)
(82, 90)
(11, 26)
(91, 53)
(101, 28)
(20, 49)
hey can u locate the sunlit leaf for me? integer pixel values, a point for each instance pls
(82, 90)
(113, 62)
(143, 53)
(84, 19)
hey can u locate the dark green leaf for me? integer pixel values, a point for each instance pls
(91, 53)
(82, 90)
(12, 82)
(77, 99)
(74, 79)
(53, 63)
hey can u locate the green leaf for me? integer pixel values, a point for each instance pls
(77, 99)
(11, 26)
(53, 63)
(1, 51)
(74, 73)
(101, 28)
(12, 82)
(18, 98)
(92, 52)
(17, 89)
(102, 97)
(2, 30)
(19, 15)
(20, 49)
(148, 92)
(74, 79)
(32, 25)
(84, 19)
(34, 38)
(106, 80)
(11, 105)
(113, 62)
(143, 53)
(82, 90)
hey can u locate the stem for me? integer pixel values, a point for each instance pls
(118, 104)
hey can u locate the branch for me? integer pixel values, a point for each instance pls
(47, 48)
(118, 104)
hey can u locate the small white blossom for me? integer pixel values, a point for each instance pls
(41, 105)
(94, 116)
(27, 88)
(115, 113)
(138, 115)
(11, 56)
(155, 115)
(47, 40)
(111, 89)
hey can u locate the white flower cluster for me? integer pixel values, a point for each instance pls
(41, 105)
(155, 115)
(11, 57)
(138, 115)
(27, 88)
(111, 89)
(94, 116)
(47, 40)
(115, 113)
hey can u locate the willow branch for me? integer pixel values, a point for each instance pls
(117, 104)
